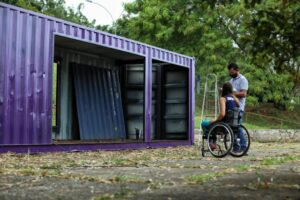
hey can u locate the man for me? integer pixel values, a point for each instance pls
(240, 88)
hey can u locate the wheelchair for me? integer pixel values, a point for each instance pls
(224, 137)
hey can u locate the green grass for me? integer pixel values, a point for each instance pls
(255, 127)
(247, 125)
(201, 178)
(54, 92)
(279, 160)
(265, 116)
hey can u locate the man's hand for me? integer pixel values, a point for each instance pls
(242, 93)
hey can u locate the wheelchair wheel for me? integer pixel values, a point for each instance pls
(220, 138)
(238, 150)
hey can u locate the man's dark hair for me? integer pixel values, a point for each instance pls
(233, 65)
(227, 89)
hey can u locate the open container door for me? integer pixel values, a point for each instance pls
(94, 103)
(170, 88)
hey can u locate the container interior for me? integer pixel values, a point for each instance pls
(98, 95)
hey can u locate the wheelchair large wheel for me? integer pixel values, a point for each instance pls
(220, 138)
(238, 150)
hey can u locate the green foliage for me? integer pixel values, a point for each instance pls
(261, 36)
(55, 8)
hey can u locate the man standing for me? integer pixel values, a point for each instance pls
(240, 88)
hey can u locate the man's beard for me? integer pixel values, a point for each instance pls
(233, 75)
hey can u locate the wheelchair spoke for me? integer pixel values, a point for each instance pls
(220, 139)
(241, 142)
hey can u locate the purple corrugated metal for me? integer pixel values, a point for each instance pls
(148, 95)
(27, 40)
(191, 100)
(26, 61)
(104, 39)
(2, 64)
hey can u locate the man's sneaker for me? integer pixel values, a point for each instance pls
(240, 151)
(237, 150)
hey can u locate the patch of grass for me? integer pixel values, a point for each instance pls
(119, 178)
(242, 168)
(51, 166)
(265, 116)
(72, 163)
(54, 173)
(249, 126)
(197, 122)
(28, 172)
(202, 178)
(123, 193)
(119, 161)
(141, 158)
(255, 127)
(279, 160)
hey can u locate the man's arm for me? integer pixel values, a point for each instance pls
(244, 88)
(242, 93)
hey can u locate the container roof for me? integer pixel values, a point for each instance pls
(96, 49)
(104, 39)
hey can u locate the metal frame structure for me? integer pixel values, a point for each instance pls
(209, 88)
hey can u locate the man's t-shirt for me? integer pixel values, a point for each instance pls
(240, 83)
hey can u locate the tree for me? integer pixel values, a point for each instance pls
(55, 8)
(189, 27)
(219, 31)
(267, 32)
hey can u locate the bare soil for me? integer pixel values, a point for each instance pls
(270, 171)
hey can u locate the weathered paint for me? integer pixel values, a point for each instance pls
(26, 58)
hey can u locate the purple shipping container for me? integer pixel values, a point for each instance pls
(111, 92)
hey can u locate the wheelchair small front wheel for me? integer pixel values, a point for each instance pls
(220, 138)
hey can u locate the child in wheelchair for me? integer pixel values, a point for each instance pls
(228, 103)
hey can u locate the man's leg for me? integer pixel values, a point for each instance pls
(243, 141)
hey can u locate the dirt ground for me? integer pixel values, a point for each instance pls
(270, 171)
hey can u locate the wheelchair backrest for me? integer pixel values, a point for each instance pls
(232, 117)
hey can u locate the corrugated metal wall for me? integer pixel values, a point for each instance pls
(66, 103)
(2, 65)
(99, 103)
(26, 60)
(26, 42)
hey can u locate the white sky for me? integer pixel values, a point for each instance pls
(102, 17)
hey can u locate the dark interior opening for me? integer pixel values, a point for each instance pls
(171, 101)
(93, 75)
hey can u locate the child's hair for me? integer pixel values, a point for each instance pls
(227, 89)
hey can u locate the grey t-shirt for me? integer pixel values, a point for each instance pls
(240, 83)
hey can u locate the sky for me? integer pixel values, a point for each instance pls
(101, 15)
